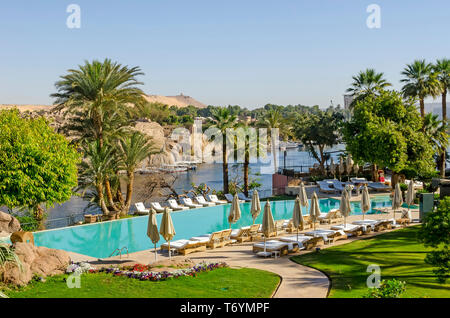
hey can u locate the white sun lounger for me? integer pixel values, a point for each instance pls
(229, 198)
(201, 200)
(330, 236)
(185, 246)
(350, 229)
(338, 187)
(141, 209)
(325, 187)
(242, 196)
(175, 206)
(215, 199)
(158, 207)
(282, 248)
(378, 186)
(188, 202)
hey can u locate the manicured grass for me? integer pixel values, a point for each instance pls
(222, 282)
(398, 254)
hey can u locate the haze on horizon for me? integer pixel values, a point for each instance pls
(247, 54)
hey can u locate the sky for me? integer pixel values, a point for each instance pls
(247, 52)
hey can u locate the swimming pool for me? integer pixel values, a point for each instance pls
(101, 239)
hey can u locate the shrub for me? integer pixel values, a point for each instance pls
(435, 232)
(388, 289)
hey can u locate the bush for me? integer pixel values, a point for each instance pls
(435, 232)
(388, 289)
(28, 223)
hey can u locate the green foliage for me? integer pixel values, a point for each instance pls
(435, 232)
(28, 223)
(403, 187)
(436, 226)
(7, 254)
(319, 129)
(37, 165)
(157, 112)
(387, 130)
(388, 289)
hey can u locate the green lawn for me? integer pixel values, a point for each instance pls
(222, 282)
(398, 254)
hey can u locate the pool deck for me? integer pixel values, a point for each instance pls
(297, 281)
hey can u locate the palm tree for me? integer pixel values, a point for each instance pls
(436, 131)
(96, 89)
(95, 169)
(368, 82)
(420, 81)
(131, 151)
(273, 119)
(223, 120)
(442, 68)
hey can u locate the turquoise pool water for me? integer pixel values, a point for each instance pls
(101, 239)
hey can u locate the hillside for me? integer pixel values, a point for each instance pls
(179, 101)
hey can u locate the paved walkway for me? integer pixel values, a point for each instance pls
(297, 281)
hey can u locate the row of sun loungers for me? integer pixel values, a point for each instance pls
(281, 246)
(335, 186)
(187, 203)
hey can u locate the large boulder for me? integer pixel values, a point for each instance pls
(8, 223)
(41, 261)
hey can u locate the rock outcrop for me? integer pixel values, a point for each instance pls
(8, 224)
(41, 261)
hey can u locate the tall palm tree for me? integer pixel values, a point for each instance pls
(274, 119)
(223, 120)
(132, 150)
(420, 81)
(98, 88)
(368, 82)
(442, 68)
(436, 131)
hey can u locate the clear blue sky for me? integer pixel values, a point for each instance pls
(247, 52)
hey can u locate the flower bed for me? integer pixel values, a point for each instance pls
(143, 272)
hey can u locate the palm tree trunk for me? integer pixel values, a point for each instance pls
(101, 198)
(109, 195)
(130, 183)
(444, 105)
(225, 164)
(444, 120)
(422, 108)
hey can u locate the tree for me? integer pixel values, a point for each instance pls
(442, 68)
(99, 90)
(102, 99)
(368, 82)
(436, 131)
(386, 130)
(273, 119)
(132, 150)
(318, 130)
(435, 232)
(224, 119)
(37, 165)
(420, 81)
